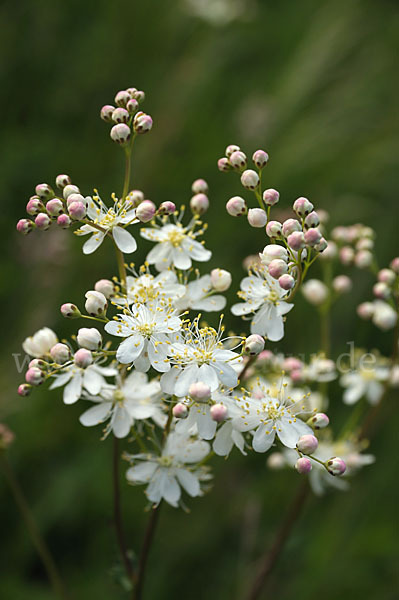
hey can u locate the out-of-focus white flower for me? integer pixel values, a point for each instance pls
(40, 343)
(366, 383)
(199, 296)
(384, 315)
(315, 291)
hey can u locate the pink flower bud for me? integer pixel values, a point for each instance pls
(271, 197)
(318, 421)
(336, 466)
(346, 255)
(24, 389)
(265, 357)
(83, 358)
(89, 338)
(64, 221)
(342, 284)
(75, 198)
(54, 207)
(296, 240)
(105, 287)
(381, 290)
(25, 226)
(296, 375)
(236, 206)
(77, 210)
(312, 236)
(70, 189)
(230, 149)
(199, 392)
(250, 179)
(277, 267)
(139, 95)
(274, 229)
(70, 311)
(257, 217)
(365, 244)
(199, 204)
(38, 363)
(307, 444)
(330, 251)
(200, 186)
(302, 206)
(384, 317)
(135, 197)
(34, 206)
(271, 252)
(315, 291)
(122, 98)
(120, 134)
(303, 465)
(260, 158)
(223, 164)
(96, 303)
(363, 259)
(44, 191)
(166, 208)
(321, 246)
(238, 160)
(132, 106)
(120, 115)
(254, 344)
(34, 376)
(291, 225)
(142, 123)
(106, 113)
(220, 280)
(131, 91)
(286, 282)
(291, 363)
(60, 353)
(386, 276)
(218, 412)
(42, 221)
(146, 211)
(180, 410)
(365, 310)
(395, 264)
(312, 219)
(62, 180)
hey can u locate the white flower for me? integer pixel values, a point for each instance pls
(146, 329)
(198, 296)
(176, 246)
(269, 416)
(315, 291)
(173, 470)
(76, 379)
(384, 315)
(135, 398)
(111, 221)
(40, 342)
(320, 369)
(263, 296)
(198, 354)
(147, 288)
(364, 383)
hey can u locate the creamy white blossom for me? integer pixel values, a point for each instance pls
(40, 343)
(76, 379)
(146, 288)
(198, 295)
(364, 382)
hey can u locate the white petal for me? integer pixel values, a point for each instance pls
(242, 308)
(290, 432)
(206, 425)
(142, 472)
(181, 260)
(121, 422)
(73, 390)
(212, 303)
(189, 482)
(354, 393)
(61, 380)
(226, 374)
(262, 441)
(92, 381)
(117, 328)
(96, 414)
(170, 489)
(209, 375)
(223, 441)
(124, 240)
(168, 380)
(196, 250)
(185, 379)
(130, 349)
(93, 243)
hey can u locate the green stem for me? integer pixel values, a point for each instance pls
(38, 541)
(120, 537)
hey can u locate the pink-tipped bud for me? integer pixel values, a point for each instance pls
(89, 338)
(180, 411)
(291, 225)
(321, 246)
(199, 204)
(302, 206)
(277, 267)
(44, 191)
(83, 358)
(250, 179)
(34, 206)
(230, 149)
(303, 465)
(254, 344)
(42, 221)
(75, 198)
(272, 252)
(286, 281)
(238, 160)
(146, 211)
(335, 466)
(365, 310)
(106, 113)
(70, 311)
(69, 190)
(200, 186)
(96, 303)
(307, 444)
(132, 106)
(64, 221)
(105, 287)
(25, 226)
(381, 290)
(260, 158)
(236, 206)
(54, 207)
(139, 95)
(386, 276)
(24, 389)
(135, 197)
(296, 240)
(122, 98)
(218, 412)
(363, 259)
(34, 376)
(342, 284)
(224, 165)
(220, 280)
(62, 180)
(271, 197)
(291, 363)
(274, 229)
(199, 392)
(166, 208)
(257, 217)
(77, 210)
(120, 115)
(312, 220)
(395, 264)
(38, 363)
(60, 353)
(318, 421)
(120, 134)
(346, 255)
(142, 123)
(312, 236)
(131, 91)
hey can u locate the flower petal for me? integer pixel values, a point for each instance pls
(93, 242)
(96, 414)
(130, 349)
(124, 240)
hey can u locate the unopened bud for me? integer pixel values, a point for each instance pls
(218, 412)
(44, 191)
(122, 98)
(342, 284)
(395, 264)
(335, 466)
(34, 206)
(286, 282)
(132, 106)
(139, 95)
(384, 317)
(224, 165)
(230, 149)
(236, 206)
(250, 179)
(42, 221)
(296, 240)
(62, 180)
(238, 160)
(312, 236)
(307, 444)
(363, 259)
(180, 410)
(135, 197)
(146, 211)
(166, 208)
(120, 115)
(34, 376)
(105, 287)
(120, 134)
(70, 189)
(312, 219)
(276, 461)
(277, 267)
(271, 197)
(200, 186)
(260, 158)
(70, 311)
(54, 207)
(254, 344)
(257, 217)
(365, 310)
(83, 358)
(199, 392)
(25, 226)
(77, 210)
(60, 353)
(321, 246)
(106, 113)
(89, 338)
(24, 389)
(315, 291)
(346, 255)
(96, 303)
(220, 280)
(274, 229)
(64, 221)
(318, 421)
(303, 465)
(75, 197)
(302, 206)
(381, 290)
(271, 252)
(199, 204)
(386, 276)
(142, 123)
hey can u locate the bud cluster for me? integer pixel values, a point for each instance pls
(126, 116)
(383, 310)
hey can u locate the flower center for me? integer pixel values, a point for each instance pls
(165, 461)
(176, 237)
(146, 329)
(119, 397)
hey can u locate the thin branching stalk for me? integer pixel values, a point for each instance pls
(118, 523)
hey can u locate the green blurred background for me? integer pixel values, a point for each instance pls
(313, 83)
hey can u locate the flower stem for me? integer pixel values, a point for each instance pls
(120, 536)
(37, 539)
